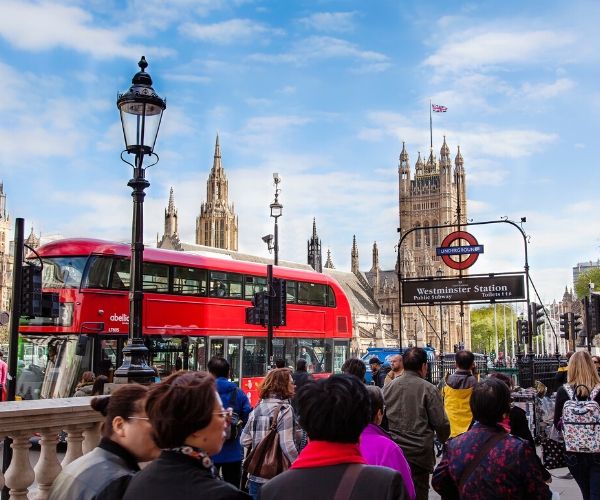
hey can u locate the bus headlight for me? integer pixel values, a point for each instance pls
(65, 317)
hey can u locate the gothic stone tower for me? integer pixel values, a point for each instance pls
(313, 246)
(6, 259)
(217, 224)
(432, 197)
(170, 238)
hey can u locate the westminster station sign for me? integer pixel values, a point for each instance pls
(465, 289)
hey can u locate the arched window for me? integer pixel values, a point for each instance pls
(435, 236)
(418, 235)
(427, 234)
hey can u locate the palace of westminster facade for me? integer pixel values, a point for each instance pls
(428, 196)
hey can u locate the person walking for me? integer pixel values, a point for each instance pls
(457, 391)
(376, 445)
(105, 472)
(487, 463)
(301, 375)
(189, 425)
(3, 377)
(596, 361)
(275, 393)
(228, 461)
(583, 383)
(396, 371)
(415, 410)
(334, 411)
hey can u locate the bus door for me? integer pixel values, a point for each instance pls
(229, 348)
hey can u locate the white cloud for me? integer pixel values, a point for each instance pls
(228, 32)
(495, 48)
(45, 26)
(338, 22)
(324, 47)
(547, 90)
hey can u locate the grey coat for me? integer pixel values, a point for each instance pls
(415, 410)
(102, 474)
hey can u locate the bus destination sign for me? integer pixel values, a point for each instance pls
(465, 289)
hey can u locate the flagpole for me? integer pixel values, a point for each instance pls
(430, 127)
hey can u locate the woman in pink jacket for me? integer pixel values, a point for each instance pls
(378, 448)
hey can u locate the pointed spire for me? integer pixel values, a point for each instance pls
(419, 163)
(314, 257)
(458, 161)
(445, 151)
(375, 257)
(314, 234)
(354, 257)
(329, 263)
(403, 153)
(171, 207)
(217, 158)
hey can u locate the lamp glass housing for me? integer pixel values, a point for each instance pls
(141, 121)
(276, 209)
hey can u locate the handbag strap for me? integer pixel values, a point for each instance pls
(349, 478)
(275, 417)
(485, 449)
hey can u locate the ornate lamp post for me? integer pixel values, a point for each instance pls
(141, 112)
(276, 212)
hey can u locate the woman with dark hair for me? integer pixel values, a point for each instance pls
(189, 425)
(377, 446)
(105, 472)
(486, 462)
(356, 367)
(275, 393)
(84, 387)
(98, 387)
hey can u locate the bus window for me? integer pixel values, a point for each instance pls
(98, 273)
(340, 354)
(225, 285)
(254, 357)
(316, 353)
(63, 272)
(254, 284)
(330, 297)
(312, 293)
(155, 277)
(120, 275)
(291, 292)
(189, 281)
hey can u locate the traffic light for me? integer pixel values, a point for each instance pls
(31, 291)
(537, 317)
(279, 297)
(50, 305)
(258, 314)
(577, 326)
(523, 330)
(594, 314)
(565, 325)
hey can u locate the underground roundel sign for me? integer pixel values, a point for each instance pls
(447, 250)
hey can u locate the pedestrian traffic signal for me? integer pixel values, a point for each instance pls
(523, 330)
(279, 297)
(537, 317)
(258, 314)
(31, 291)
(565, 325)
(577, 326)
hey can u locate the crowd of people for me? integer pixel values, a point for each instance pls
(329, 438)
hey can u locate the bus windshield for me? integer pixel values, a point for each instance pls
(63, 272)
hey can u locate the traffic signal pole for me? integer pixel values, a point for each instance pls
(13, 341)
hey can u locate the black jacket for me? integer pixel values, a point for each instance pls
(179, 477)
(321, 483)
(101, 474)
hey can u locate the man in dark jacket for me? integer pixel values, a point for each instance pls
(377, 371)
(415, 411)
(229, 460)
(334, 411)
(300, 376)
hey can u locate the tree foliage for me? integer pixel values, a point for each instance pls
(582, 288)
(483, 330)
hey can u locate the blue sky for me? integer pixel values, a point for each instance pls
(322, 92)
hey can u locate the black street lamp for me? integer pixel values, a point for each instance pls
(440, 273)
(141, 112)
(276, 212)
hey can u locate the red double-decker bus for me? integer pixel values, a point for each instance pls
(194, 307)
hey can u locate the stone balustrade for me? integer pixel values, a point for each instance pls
(20, 420)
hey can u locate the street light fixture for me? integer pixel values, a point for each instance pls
(141, 112)
(439, 273)
(276, 212)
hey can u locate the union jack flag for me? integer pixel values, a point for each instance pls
(439, 109)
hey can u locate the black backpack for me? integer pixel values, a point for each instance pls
(235, 424)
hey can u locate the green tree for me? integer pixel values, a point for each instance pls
(582, 285)
(483, 332)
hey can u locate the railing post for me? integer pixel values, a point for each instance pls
(91, 437)
(19, 475)
(48, 466)
(74, 441)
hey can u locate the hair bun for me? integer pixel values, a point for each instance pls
(100, 404)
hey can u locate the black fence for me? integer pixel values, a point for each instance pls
(528, 369)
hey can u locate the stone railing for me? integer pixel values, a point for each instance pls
(20, 420)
